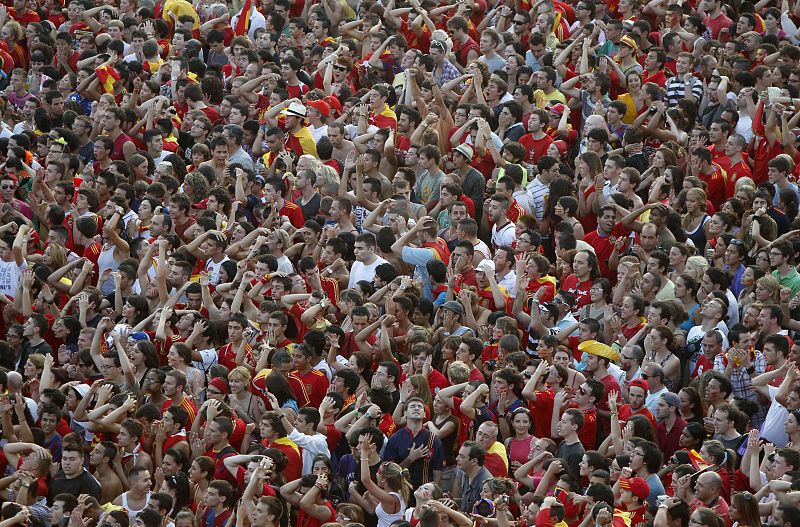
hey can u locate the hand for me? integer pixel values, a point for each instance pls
(419, 452)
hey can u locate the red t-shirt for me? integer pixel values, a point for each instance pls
(603, 248)
(579, 289)
(536, 148)
(310, 388)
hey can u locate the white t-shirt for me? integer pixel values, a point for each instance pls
(10, 275)
(209, 357)
(505, 236)
(359, 271)
(212, 268)
(772, 430)
(285, 265)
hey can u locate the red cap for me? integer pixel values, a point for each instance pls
(557, 108)
(202, 204)
(562, 147)
(320, 106)
(219, 384)
(334, 103)
(637, 486)
(641, 383)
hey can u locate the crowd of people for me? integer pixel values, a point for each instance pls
(294, 263)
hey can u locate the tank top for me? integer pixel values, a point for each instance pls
(384, 518)
(133, 513)
(117, 153)
(519, 449)
(698, 235)
(105, 261)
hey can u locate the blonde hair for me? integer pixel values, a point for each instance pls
(397, 479)
(420, 384)
(240, 371)
(700, 262)
(458, 372)
(58, 256)
(771, 284)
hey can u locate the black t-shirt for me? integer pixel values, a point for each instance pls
(27, 350)
(83, 484)
(311, 208)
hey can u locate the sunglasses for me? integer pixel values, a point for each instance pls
(340, 68)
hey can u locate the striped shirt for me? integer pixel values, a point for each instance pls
(676, 90)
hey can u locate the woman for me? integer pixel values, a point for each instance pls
(147, 209)
(135, 310)
(423, 496)
(693, 436)
(686, 289)
(179, 357)
(201, 473)
(322, 464)
(153, 387)
(691, 405)
(762, 261)
(278, 386)
(565, 209)
(307, 240)
(142, 168)
(389, 492)
(248, 407)
(587, 166)
(749, 278)
(143, 358)
(656, 174)
(768, 290)
(31, 374)
(658, 346)
(177, 486)
(445, 426)
(792, 429)
(744, 510)
(519, 445)
(563, 357)
(678, 254)
(599, 294)
(696, 267)
(67, 330)
(772, 22)
(787, 203)
(695, 219)
(636, 99)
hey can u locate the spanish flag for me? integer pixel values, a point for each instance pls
(697, 461)
(107, 77)
(243, 22)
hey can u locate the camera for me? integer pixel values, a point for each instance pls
(653, 109)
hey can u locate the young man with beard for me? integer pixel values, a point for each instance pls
(584, 272)
(174, 386)
(670, 423)
(123, 146)
(637, 395)
(536, 141)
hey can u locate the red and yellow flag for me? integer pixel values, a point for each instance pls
(243, 22)
(107, 77)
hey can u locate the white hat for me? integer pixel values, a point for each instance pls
(297, 109)
(485, 266)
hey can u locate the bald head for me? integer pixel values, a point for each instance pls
(14, 381)
(593, 122)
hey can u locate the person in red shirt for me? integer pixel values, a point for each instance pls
(602, 239)
(718, 134)
(585, 270)
(633, 498)
(174, 386)
(739, 168)
(536, 142)
(216, 503)
(274, 436)
(598, 358)
(218, 430)
(309, 385)
(637, 395)
(702, 166)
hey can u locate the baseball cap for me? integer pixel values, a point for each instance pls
(672, 399)
(321, 106)
(486, 266)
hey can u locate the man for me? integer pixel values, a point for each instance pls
(725, 417)
(739, 365)
(304, 434)
(298, 138)
(785, 397)
(33, 330)
(504, 264)
(780, 257)
(684, 85)
(584, 272)
(308, 384)
(600, 239)
(488, 43)
(429, 182)
(496, 211)
(598, 358)
(735, 254)
(179, 208)
(630, 360)
(496, 460)
(570, 449)
(420, 450)
(234, 135)
(124, 147)
(471, 476)
(429, 247)
(73, 478)
(218, 431)
(465, 48)
(218, 500)
(366, 259)
(633, 493)
(138, 494)
(670, 423)
(536, 141)
(594, 92)
(703, 167)
(712, 316)
(637, 395)
(174, 387)
(707, 492)
(715, 19)
(654, 376)
(654, 66)
(717, 281)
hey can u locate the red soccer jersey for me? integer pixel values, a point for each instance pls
(739, 170)
(309, 388)
(294, 213)
(579, 289)
(715, 183)
(187, 405)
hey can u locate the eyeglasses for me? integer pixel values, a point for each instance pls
(645, 376)
(638, 453)
(340, 68)
(775, 253)
(558, 301)
(7, 187)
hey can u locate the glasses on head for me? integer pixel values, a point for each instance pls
(638, 453)
(737, 242)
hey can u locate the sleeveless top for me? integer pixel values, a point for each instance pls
(117, 153)
(698, 235)
(384, 518)
(133, 513)
(519, 449)
(105, 261)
